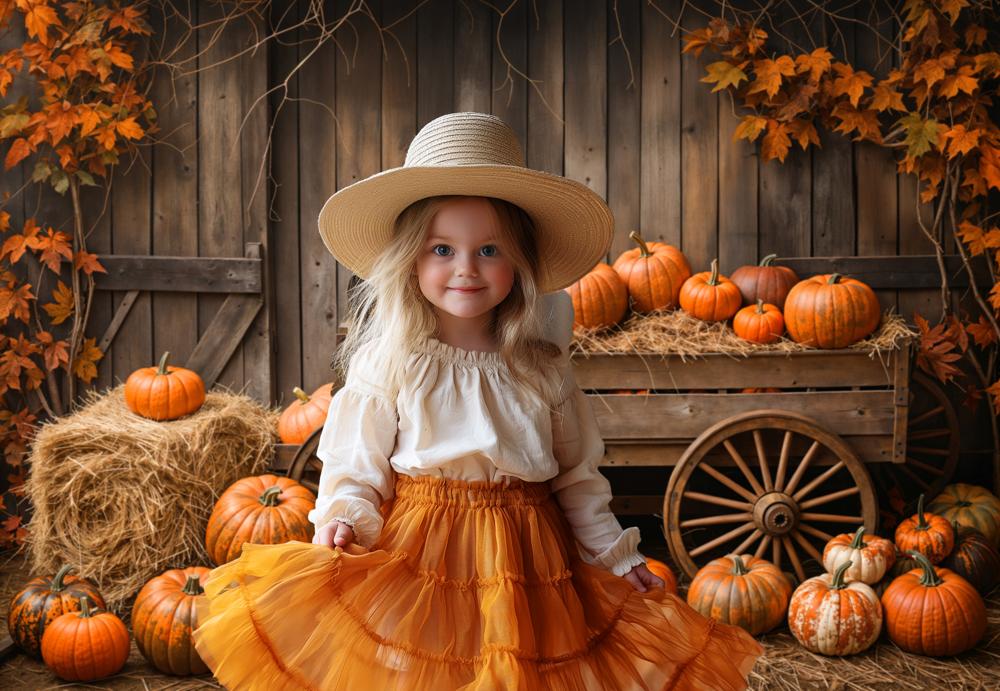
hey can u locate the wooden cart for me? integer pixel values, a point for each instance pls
(773, 473)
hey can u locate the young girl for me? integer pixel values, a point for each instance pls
(463, 536)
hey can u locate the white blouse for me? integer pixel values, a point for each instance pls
(459, 415)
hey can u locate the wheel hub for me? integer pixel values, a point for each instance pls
(776, 513)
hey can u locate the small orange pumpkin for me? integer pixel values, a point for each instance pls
(765, 282)
(830, 616)
(927, 533)
(871, 556)
(87, 645)
(263, 509)
(164, 392)
(304, 415)
(710, 296)
(41, 601)
(164, 615)
(653, 274)
(933, 611)
(743, 590)
(831, 311)
(600, 298)
(658, 568)
(759, 323)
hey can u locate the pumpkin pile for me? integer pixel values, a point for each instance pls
(763, 301)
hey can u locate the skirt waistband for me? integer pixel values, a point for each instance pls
(470, 494)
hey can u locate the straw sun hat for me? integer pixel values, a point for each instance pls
(478, 155)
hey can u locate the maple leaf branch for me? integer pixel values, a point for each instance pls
(933, 237)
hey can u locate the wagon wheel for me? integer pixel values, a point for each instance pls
(305, 467)
(775, 508)
(932, 445)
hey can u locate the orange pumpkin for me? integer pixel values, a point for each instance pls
(653, 274)
(830, 616)
(600, 298)
(974, 558)
(972, 506)
(304, 415)
(831, 311)
(761, 389)
(743, 590)
(759, 323)
(41, 601)
(710, 296)
(87, 645)
(933, 611)
(163, 617)
(263, 509)
(658, 568)
(765, 282)
(164, 392)
(871, 556)
(927, 533)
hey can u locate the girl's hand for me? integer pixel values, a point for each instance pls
(642, 578)
(334, 534)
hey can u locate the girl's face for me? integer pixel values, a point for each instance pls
(462, 269)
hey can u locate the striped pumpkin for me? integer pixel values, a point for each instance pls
(972, 506)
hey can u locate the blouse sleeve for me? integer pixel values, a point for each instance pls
(582, 491)
(355, 445)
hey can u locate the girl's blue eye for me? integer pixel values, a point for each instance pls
(489, 251)
(441, 250)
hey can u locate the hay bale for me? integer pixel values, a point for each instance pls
(122, 498)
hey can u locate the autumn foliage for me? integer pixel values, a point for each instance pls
(933, 109)
(79, 112)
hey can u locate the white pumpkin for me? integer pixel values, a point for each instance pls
(870, 556)
(832, 617)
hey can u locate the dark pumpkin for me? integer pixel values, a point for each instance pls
(975, 559)
(765, 282)
(163, 617)
(41, 601)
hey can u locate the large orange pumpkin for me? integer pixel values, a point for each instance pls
(305, 414)
(163, 617)
(972, 506)
(759, 323)
(927, 533)
(263, 509)
(164, 392)
(933, 611)
(653, 274)
(600, 298)
(831, 311)
(658, 568)
(743, 590)
(87, 645)
(765, 282)
(830, 616)
(710, 296)
(871, 556)
(41, 601)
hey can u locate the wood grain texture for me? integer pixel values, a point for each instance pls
(545, 99)
(624, 121)
(585, 46)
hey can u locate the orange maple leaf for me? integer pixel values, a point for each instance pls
(988, 64)
(85, 365)
(15, 246)
(54, 353)
(851, 119)
(4, 221)
(994, 391)
(850, 83)
(995, 296)
(972, 236)
(696, 41)
(55, 247)
(724, 74)
(88, 119)
(936, 349)
(961, 81)
(16, 361)
(19, 150)
(885, 97)
(130, 129)
(769, 74)
(15, 302)
(930, 72)
(982, 332)
(961, 140)
(63, 307)
(88, 262)
(750, 128)
(989, 165)
(38, 18)
(953, 8)
(129, 19)
(816, 63)
(118, 57)
(974, 35)
(804, 133)
(776, 142)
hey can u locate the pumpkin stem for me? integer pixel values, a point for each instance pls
(162, 367)
(838, 576)
(713, 280)
(929, 579)
(921, 521)
(85, 612)
(739, 568)
(643, 247)
(193, 585)
(300, 394)
(57, 582)
(270, 496)
(766, 261)
(834, 278)
(760, 306)
(859, 541)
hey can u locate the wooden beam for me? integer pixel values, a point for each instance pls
(181, 274)
(892, 273)
(223, 336)
(116, 322)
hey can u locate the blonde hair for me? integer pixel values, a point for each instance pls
(390, 315)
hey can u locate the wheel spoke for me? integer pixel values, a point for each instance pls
(315, 462)
(924, 466)
(742, 491)
(831, 518)
(925, 416)
(815, 532)
(311, 485)
(807, 546)
(786, 447)
(776, 552)
(929, 451)
(718, 501)
(820, 479)
(735, 532)
(800, 471)
(762, 547)
(765, 472)
(833, 496)
(738, 459)
(928, 433)
(717, 520)
(746, 543)
(913, 476)
(794, 556)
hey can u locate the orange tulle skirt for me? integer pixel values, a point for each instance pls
(472, 585)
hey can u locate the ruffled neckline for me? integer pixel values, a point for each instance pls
(460, 356)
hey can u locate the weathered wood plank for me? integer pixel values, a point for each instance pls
(815, 369)
(474, 43)
(737, 192)
(435, 61)
(624, 121)
(913, 241)
(891, 273)
(180, 274)
(585, 41)
(97, 216)
(399, 83)
(509, 90)
(123, 309)
(545, 98)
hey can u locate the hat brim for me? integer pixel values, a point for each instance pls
(574, 227)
